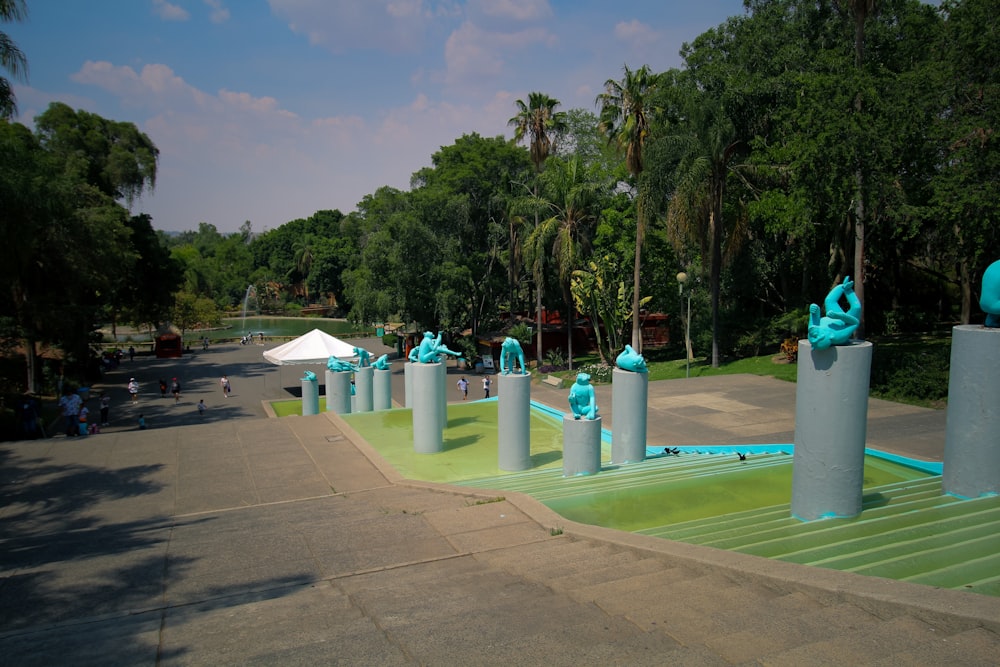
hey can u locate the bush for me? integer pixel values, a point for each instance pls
(389, 340)
(555, 358)
(520, 332)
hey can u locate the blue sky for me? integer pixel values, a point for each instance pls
(269, 110)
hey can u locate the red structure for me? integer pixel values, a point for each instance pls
(168, 343)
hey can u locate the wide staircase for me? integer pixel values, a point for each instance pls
(908, 530)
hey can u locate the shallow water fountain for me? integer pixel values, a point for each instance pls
(251, 290)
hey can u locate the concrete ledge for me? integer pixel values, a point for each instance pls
(553, 381)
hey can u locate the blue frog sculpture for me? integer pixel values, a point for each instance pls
(630, 360)
(337, 365)
(431, 349)
(382, 363)
(582, 401)
(989, 296)
(309, 376)
(838, 325)
(510, 352)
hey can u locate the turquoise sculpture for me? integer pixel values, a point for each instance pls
(431, 349)
(838, 325)
(337, 365)
(509, 352)
(310, 376)
(382, 363)
(364, 357)
(414, 355)
(581, 398)
(630, 360)
(989, 297)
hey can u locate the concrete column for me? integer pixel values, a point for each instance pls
(831, 425)
(310, 397)
(428, 430)
(629, 398)
(338, 392)
(442, 368)
(408, 384)
(363, 390)
(972, 431)
(581, 446)
(514, 422)
(382, 389)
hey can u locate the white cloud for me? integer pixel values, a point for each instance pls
(168, 11)
(636, 33)
(517, 10)
(219, 12)
(339, 25)
(476, 58)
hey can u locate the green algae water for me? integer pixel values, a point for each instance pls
(656, 492)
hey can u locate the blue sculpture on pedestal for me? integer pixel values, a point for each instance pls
(509, 352)
(630, 360)
(989, 297)
(364, 357)
(838, 325)
(337, 365)
(309, 375)
(382, 363)
(431, 349)
(581, 398)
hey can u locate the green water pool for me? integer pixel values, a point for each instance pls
(656, 492)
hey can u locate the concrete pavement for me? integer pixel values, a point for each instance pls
(231, 538)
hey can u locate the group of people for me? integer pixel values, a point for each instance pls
(75, 413)
(463, 387)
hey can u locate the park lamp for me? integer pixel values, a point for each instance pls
(681, 280)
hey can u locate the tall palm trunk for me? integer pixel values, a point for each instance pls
(640, 232)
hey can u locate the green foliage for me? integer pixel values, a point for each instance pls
(555, 358)
(911, 369)
(520, 332)
(389, 340)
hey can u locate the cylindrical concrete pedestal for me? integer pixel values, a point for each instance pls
(428, 428)
(310, 397)
(338, 392)
(363, 390)
(514, 422)
(382, 389)
(629, 398)
(442, 404)
(408, 384)
(972, 431)
(581, 446)
(831, 425)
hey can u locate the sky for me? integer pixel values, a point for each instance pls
(270, 110)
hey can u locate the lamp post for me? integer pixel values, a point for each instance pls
(681, 279)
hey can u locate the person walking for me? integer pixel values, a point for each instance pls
(201, 407)
(133, 390)
(163, 388)
(105, 407)
(486, 385)
(175, 389)
(463, 386)
(226, 387)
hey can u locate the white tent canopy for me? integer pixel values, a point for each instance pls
(315, 347)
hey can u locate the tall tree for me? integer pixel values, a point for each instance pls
(539, 121)
(11, 57)
(626, 114)
(859, 10)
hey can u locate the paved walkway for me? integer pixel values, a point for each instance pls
(231, 538)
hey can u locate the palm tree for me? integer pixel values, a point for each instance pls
(626, 113)
(11, 57)
(540, 122)
(565, 235)
(706, 145)
(303, 259)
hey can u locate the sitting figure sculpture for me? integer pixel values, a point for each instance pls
(432, 348)
(509, 352)
(989, 297)
(581, 398)
(382, 363)
(630, 360)
(364, 357)
(838, 325)
(338, 365)
(310, 376)
(414, 355)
